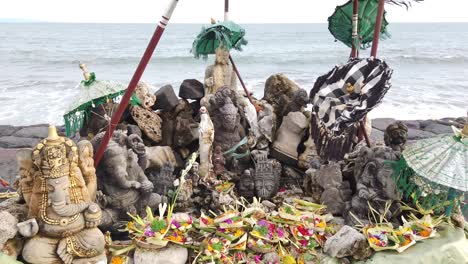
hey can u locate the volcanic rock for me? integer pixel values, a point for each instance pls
(191, 89)
(166, 99)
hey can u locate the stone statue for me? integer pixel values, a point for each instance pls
(267, 175)
(226, 119)
(375, 184)
(164, 179)
(220, 73)
(246, 186)
(309, 154)
(288, 137)
(123, 185)
(194, 174)
(218, 161)
(206, 138)
(395, 136)
(86, 164)
(63, 220)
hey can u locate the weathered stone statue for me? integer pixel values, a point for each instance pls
(62, 225)
(218, 161)
(299, 100)
(309, 154)
(123, 185)
(206, 138)
(225, 118)
(220, 73)
(267, 175)
(395, 136)
(246, 187)
(163, 180)
(375, 184)
(288, 137)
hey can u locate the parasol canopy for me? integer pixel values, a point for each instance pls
(434, 171)
(340, 23)
(347, 93)
(92, 93)
(227, 33)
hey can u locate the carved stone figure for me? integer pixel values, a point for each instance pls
(164, 179)
(86, 164)
(246, 187)
(218, 161)
(143, 94)
(194, 174)
(26, 172)
(375, 184)
(123, 185)
(288, 137)
(395, 136)
(309, 154)
(267, 175)
(336, 192)
(62, 225)
(179, 128)
(220, 73)
(226, 120)
(206, 137)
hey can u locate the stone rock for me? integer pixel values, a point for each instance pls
(377, 136)
(8, 165)
(415, 124)
(32, 132)
(166, 99)
(148, 121)
(19, 211)
(6, 130)
(346, 243)
(414, 134)
(382, 123)
(133, 129)
(330, 179)
(8, 227)
(279, 91)
(191, 89)
(436, 128)
(288, 137)
(170, 254)
(18, 142)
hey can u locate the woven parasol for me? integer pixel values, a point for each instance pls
(92, 93)
(434, 171)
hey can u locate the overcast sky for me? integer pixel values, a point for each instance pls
(200, 11)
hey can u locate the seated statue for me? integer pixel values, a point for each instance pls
(220, 73)
(63, 219)
(122, 183)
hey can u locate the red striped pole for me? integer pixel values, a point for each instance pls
(377, 28)
(355, 49)
(135, 79)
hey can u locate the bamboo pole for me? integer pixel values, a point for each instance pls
(377, 28)
(355, 49)
(135, 79)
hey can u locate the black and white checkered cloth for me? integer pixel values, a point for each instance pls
(338, 109)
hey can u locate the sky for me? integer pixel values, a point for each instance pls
(200, 11)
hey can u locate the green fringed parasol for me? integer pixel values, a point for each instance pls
(92, 93)
(434, 171)
(340, 24)
(228, 34)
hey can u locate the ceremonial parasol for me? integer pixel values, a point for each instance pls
(434, 171)
(226, 34)
(342, 98)
(340, 23)
(92, 93)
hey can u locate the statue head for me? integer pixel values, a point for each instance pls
(246, 186)
(300, 97)
(395, 135)
(222, 55)
(229, 114)
(266, 180)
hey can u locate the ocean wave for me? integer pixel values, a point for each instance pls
(451, 59)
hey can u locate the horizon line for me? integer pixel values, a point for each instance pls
(25, 21)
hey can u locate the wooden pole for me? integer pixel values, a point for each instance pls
(243, 85)
(226, 10)
(355, 49)
(135, 79)
(377, 28)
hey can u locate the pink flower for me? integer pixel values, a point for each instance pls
(280, 232)
(228, 221)
(176, 224)
(257, 258)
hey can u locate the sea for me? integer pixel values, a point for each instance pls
(39, 70)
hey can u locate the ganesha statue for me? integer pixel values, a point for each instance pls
(63, 218)
(122, 183)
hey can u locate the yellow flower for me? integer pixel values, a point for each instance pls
(289, 260)
(118, 260)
